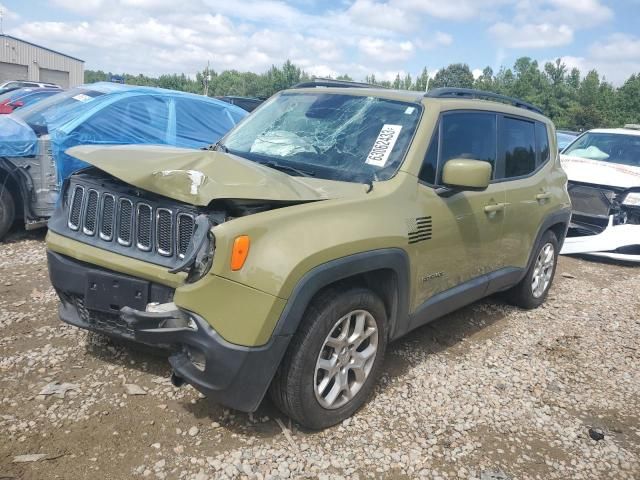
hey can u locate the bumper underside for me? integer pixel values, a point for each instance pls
(619, 242)
(233, 375)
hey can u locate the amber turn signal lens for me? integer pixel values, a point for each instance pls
(240, 252)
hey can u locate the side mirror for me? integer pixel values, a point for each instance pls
(464, 174)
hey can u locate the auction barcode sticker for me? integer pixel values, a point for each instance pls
(383, 145)
(81, 97)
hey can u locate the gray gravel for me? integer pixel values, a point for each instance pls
(490, 392)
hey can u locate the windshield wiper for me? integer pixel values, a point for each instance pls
(217, 147)
(287, 168)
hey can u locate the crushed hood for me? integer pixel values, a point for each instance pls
(199, 176)
(600, 173)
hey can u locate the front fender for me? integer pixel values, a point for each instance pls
(394, 259)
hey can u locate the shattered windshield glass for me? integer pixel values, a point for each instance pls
(607, 147)
(326, 135)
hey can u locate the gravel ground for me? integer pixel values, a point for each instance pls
(490, 392)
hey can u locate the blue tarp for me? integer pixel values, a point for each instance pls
(17, 139)
(107, 113)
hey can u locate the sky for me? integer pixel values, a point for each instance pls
(332, 37)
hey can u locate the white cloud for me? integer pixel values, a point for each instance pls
(381, 15)
(578, 13)
(358, 37)
(477, 73)
(452, 9)
(617, 47)
(548, 23)
(386, 51)
(615, 57)
(438, 39)
(8, 14)
(531, 35)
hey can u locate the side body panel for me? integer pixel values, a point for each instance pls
(467, 239)
(37, 180)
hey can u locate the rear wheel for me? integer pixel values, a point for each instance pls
(7, 210)
(334, 359)
(533, 289)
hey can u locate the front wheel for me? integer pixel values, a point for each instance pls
(533, 289)
(334, 359)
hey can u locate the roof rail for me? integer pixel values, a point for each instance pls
(446, 92)
(330, 82)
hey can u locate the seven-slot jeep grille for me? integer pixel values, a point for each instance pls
(124, 223)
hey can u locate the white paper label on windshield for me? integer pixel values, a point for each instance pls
(383, 145)
(81, 97)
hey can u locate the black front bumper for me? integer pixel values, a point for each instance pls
(233, 375)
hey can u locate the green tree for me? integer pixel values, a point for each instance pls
(628, 101)
(422, 81)
(455, 75)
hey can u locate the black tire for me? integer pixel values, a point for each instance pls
(293, 387)
(7, 210)
(522, 295)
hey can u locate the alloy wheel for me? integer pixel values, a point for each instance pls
(346, 359)
(543, 270)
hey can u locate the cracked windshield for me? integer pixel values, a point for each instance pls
(331, 136)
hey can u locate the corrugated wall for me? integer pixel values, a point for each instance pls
(36, 58)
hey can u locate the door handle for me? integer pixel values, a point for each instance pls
(543, 196)
(494, 207)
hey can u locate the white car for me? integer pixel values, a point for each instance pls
(28, 83)
(603, 166)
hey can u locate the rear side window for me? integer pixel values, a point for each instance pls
(201, 123)
(542, 139)
(468, 135)
(518, 141)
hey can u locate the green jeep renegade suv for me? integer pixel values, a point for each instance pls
(333, 220)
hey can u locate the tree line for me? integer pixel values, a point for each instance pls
(572, 100)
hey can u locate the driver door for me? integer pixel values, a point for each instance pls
(466, 226)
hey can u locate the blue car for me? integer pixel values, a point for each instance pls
(34, 139)
(565, 138)
(23, 97)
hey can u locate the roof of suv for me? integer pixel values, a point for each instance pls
(452, 97)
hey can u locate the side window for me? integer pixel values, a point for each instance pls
(200, 123)
(430, 164)
(542, 140)
(130, 120)
(468, 135)
(518, 140)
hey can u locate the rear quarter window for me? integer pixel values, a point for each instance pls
(542, 141)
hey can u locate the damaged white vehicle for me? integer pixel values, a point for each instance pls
(603, 167)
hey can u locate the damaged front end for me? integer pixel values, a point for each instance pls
(605, 222)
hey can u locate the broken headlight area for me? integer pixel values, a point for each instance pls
(605, 222)
(595, 208)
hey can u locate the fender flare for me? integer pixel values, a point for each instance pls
(562, 217)
(22, 182)
(394, 259)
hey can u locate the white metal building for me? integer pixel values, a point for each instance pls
(22, 60)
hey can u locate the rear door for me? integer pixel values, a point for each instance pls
(525, 170)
